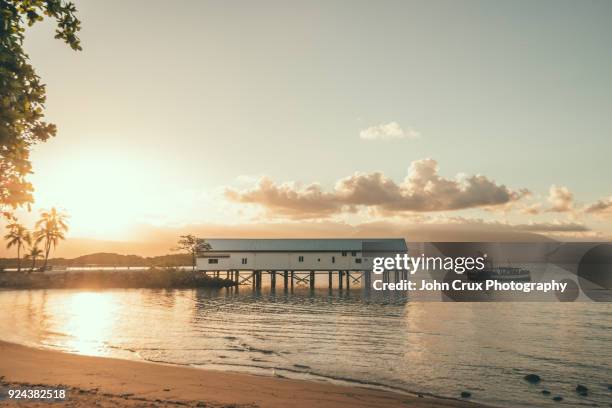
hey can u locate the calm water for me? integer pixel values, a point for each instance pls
(438, 348)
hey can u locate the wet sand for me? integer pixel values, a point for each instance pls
(106, 382)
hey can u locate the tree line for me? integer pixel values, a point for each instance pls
(23, 124)
(48, 231)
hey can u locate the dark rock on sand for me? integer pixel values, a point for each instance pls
(545, 392)
(532, 378)
(558, 398)
(609, 387)
(465, 394)
(582, 390)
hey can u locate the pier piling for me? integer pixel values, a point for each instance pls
(312, 280)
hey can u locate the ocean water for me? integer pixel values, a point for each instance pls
(390, 341)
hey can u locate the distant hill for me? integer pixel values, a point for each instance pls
(106, 259)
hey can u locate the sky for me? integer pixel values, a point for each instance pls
(326, 118)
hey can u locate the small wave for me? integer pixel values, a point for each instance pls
(247, 347)
(305, 367)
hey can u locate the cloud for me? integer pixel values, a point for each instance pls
(288, 199)
(388, 131)
(540, 227)
(600, 207)
(561, 199)
(423, 190)
(556, 226)
(533, 209)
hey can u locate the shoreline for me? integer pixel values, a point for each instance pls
(153, 278)
(117, 382)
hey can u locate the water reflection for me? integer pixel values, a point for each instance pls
(88, 321)
(384, 339)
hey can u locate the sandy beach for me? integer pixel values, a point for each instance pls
(106, 382)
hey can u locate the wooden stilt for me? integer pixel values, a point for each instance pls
(340, 274)
(312, 280)
(330, 279)
(237, 277)
(273, 280)
(292, 278)
(286, 279)
(348, 280)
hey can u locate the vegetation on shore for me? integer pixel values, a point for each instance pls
(107, 259)
(165, 278)
(162, 272)
(191, 245)
(49, 230)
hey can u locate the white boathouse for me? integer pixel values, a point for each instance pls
(288, 254)
(290, 257)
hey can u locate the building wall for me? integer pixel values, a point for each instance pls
(317, 261)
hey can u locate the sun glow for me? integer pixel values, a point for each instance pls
(104, 194)
(109, 193)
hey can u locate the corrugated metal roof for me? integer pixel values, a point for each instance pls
(297, 245)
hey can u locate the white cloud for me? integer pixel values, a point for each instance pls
(423, 190)
(601, 207)
(388, 131)
(561, 199)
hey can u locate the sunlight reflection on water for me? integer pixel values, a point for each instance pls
(89, 321)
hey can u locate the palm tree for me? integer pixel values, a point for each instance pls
(50, 230)
(17, 236)
(35, 253)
